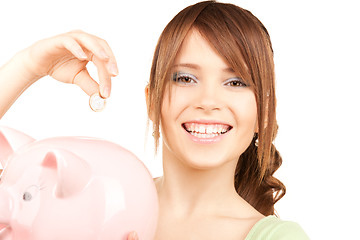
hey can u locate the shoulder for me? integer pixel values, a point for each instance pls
(271, 228)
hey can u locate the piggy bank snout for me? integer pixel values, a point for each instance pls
(6, 205)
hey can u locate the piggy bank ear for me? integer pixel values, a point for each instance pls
(10, 141)
(73, 173)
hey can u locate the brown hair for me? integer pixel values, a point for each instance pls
(243, 41)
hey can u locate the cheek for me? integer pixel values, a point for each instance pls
(172, 109)
(169, 112)
(245, 110)
(173, 105)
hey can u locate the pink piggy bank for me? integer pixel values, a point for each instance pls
(73, 188)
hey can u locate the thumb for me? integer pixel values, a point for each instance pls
(86, 82)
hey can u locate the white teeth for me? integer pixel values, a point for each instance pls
(206, 130)
(210, 129)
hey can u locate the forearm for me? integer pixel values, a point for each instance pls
(14, 80)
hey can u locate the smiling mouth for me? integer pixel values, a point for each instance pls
(206, 130)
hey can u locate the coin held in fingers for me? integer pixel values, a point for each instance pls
(97, 103)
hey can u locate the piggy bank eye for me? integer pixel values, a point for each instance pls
(30, 193)
(27, 196)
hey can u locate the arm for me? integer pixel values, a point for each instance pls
(63, 57)
(13, 81)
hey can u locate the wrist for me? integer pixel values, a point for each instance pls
(26, 67)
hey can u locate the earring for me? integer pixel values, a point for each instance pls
(153, 134)
(256, 137)
(257, 142)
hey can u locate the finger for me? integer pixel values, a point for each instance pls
(104, 78)
(112, 64)
(100, 48)
(86, 82)
(92, 44)
(74, 47)
(103, 58)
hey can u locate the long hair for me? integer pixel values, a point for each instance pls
(244, 43)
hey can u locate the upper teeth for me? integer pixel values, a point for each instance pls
(206, 128)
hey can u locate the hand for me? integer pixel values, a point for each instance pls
(64, 57)
(133, 236)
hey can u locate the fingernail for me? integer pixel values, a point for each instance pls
(81, 54)
(105, 93)
(113, 69)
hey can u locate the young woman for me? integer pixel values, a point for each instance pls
(211, 95)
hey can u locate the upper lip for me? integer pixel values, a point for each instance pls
(207, 121)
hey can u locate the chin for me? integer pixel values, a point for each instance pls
(209, 161)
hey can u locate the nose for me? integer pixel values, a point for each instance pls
(209, 98)
(6, 204)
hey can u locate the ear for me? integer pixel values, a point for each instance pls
(10, 141)
(150, 113)
(73, 172)
(5, 149)
(256, 126)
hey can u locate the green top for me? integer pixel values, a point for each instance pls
(272, 228)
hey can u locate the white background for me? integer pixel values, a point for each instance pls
(317, 51)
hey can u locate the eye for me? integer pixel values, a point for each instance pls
(235, 82)
(184, 78)
(30, 193)
(27, 196)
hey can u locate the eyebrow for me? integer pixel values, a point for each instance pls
(197, 67)
(187, 65)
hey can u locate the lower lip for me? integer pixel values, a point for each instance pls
(206, 140)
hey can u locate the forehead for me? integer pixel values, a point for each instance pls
(197, 51)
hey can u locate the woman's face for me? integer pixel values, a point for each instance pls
(211, 115)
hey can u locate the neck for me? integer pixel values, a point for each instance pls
(190, 191)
